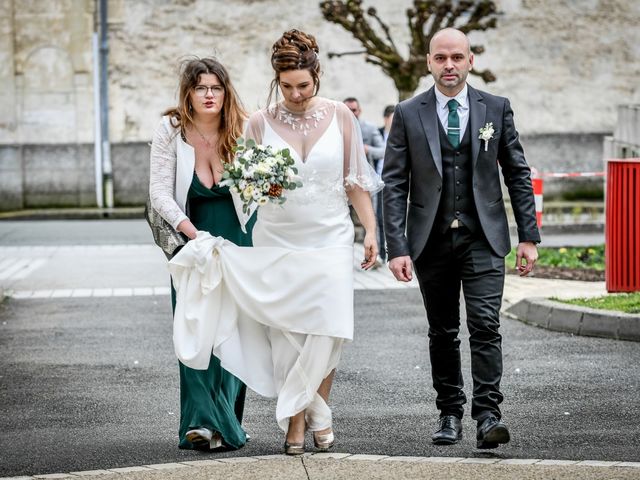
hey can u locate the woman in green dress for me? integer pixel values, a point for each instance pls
(190, 146)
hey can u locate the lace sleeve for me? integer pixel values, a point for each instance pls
(357, 170)
(162, 174)
(255, 127)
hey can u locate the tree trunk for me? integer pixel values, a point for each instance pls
(404, 94)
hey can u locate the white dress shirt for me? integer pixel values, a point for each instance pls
(463, 108)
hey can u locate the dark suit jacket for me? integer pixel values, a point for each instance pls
(413, 174)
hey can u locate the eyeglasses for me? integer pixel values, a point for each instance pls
(201, 90)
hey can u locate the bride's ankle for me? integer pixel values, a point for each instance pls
(296, 431)
(323, 431)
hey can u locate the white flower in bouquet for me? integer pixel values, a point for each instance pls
(263, 168)
(247, 193)
(260, 174)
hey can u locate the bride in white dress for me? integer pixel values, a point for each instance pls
(278, 314)
(325, 140)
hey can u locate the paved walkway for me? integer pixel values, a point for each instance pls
(35, 272)
(327, 466)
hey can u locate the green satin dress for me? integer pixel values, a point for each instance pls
(213, 398)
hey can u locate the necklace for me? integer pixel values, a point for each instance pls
(204, 139)
(302, 122)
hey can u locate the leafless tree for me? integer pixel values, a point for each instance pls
(424, 19)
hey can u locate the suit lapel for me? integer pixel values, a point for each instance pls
(477, 116)
(429, 119)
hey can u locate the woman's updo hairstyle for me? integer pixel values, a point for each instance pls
(295, 50)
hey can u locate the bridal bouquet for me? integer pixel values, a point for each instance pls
(259, 174)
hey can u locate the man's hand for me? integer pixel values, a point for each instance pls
(529, 252)
(401, 268)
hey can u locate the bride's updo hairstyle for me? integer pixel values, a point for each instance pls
(294, 50)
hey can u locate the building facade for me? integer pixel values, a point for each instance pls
(566, 65)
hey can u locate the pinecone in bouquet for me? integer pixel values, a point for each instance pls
(275, 191)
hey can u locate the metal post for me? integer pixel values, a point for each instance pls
(107, 169)
(97, 149)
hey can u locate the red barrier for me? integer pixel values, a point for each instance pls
(622, 225)
(537, 195)
(537, 181)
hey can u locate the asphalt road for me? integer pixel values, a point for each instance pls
(93, 383)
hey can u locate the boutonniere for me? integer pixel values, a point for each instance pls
(486, 134)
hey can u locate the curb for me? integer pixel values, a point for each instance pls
(74, 214)
(562, 317)
(341, 457)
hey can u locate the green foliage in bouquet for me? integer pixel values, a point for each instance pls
(259, 174)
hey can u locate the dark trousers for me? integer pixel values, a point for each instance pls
(377, 205)
(449, 260)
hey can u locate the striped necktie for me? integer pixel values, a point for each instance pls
(453, 127)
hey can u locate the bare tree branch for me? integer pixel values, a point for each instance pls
(344, 54)
(385, 28)
(486, 75)
(424, 19)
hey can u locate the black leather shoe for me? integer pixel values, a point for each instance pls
(491, 433)
(449, 431)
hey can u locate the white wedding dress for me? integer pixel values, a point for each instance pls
(284, 308)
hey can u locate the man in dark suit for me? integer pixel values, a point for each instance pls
(387, 115)
(445, 216)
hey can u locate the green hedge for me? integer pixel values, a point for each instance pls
(567, 257)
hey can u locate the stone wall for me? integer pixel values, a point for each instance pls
(45, 71)
(62, 175)
(565, 65)
(625, 142)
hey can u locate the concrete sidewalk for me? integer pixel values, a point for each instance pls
(326, 466)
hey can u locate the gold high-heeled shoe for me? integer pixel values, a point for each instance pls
(293, 448)
(323, 441)
(203, 438)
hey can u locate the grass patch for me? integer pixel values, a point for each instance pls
(623, 302)
(567, 257)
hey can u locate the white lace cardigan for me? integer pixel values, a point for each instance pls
(171, 169)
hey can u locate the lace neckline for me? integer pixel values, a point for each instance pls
(302, 122)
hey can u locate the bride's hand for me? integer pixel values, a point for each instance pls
(370, 250)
